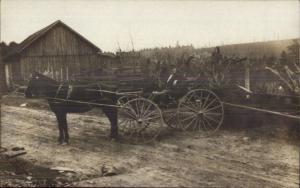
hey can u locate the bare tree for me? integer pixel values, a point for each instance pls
(216, 67)
(288, 70)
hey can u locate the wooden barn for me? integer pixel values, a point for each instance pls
(57, 51)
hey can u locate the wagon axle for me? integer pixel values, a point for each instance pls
(140, 121)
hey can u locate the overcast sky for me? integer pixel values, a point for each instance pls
(154, 23)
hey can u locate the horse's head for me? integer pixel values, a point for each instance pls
(39, 85)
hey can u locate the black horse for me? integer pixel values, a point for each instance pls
(64, 98)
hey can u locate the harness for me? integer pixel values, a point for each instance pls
(58, 90)
(70, 90)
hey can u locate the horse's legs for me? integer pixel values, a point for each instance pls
(112, 115)
(60, 127)
(65, 127)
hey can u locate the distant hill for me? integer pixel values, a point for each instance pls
(250, 50)
(255, 49)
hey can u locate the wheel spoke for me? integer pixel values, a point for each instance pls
(132, 110)
(214, 113)
(123, 121)
(193, 105)
(189, 117)
(204, 104)
(188, 125)
(153, 113)
(189, 97)
(211, 119)
(150, 114)
(152, 118)
(191, 109)
(128, 114)
(213, 108)
(189, 101)
(208, 123)
(187, 113)
(142, 108)
(137, 109)
(209, 104)
(148, 107)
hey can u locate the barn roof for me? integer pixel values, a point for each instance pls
(37, 35)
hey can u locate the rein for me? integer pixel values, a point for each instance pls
(88, 103)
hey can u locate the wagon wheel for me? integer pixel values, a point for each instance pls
(140, 121)
(200, 110)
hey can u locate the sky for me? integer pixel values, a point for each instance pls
(151, 23)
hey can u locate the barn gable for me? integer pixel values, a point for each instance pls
(56, 50)
(55, 39)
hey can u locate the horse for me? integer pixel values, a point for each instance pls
(68, 97)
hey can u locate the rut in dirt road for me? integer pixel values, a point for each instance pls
(184, 159)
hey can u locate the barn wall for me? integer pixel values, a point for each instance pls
(13, 72)
(60, 53)
(60, 67)
(59, 41)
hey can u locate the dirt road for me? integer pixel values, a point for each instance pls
(229, 158)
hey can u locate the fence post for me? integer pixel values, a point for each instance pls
(247, 75)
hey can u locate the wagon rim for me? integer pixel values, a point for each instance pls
(200, 110)
(140, 121)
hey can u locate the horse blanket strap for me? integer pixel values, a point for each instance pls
(58, 90)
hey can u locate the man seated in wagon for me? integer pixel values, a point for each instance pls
(171, 86)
